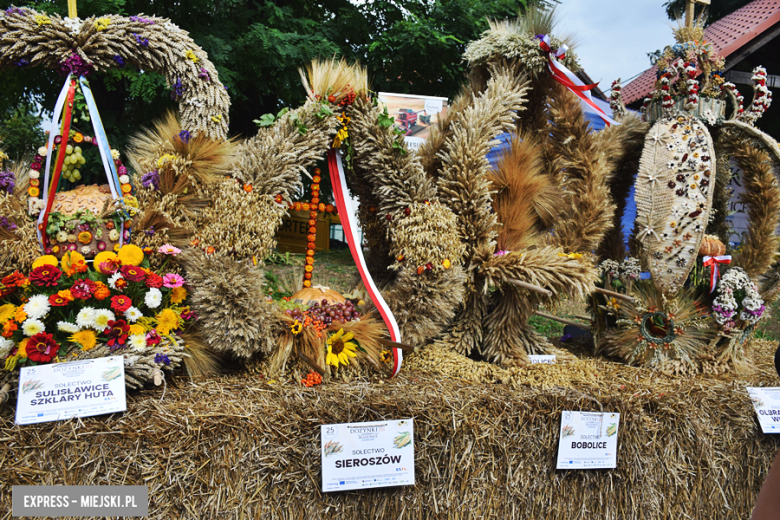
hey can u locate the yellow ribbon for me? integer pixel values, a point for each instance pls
(72, 9)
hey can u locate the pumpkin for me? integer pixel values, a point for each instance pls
(307, 296)
(712, 246)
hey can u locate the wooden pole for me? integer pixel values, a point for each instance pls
(562, 320)
(689, 11)
(309, 361)
(581, 317)
(614, 294)
(395, 344)
(530, 287)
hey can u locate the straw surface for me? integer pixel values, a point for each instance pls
(243, 447)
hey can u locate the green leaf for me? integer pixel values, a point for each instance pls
(385, 121)
(265, 120)
(398, 146)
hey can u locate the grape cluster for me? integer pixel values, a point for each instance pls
(335, 312)
(73, 160)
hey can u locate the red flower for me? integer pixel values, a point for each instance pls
(58, 301)
(117, 333)
(45, 276)
(154, 280)
(133, 273)
(42, 348)
(15, 279)
(121, 303)
(82, 289)
(152, 338)
(110, 266)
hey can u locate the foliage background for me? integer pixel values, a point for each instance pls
(409, 46)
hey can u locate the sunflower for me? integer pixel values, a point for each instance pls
(45, 260)
(86, 338)
(340, 349)
(296, 327)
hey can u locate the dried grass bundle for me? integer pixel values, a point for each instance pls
(583, 174)
(525, 201)
(227, 295)
(336, 78)
(18, 247)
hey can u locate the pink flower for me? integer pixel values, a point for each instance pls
(172, 280)
(168, 249)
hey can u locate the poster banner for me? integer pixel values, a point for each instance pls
(63, 390)
(588, 440)
(766, 401)
(367, 455)
(414, 115)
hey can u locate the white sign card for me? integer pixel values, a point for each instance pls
(588, 440)
(367, 455)
(78, 389)
(766, 401)
(542, 359)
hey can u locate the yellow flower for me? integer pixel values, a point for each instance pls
(42, 19)
(167, 321)
(164, 159)
(178, 294)
(340, 137)
(22, 346)
(191, 56)
(296, 327)
(102, 257)
(136, 329)
(6, 312)
(340, 349)
(217, 118)
(386, 356)
(65, 294)
(131, 254)
(68, 259)
(45, 260)
(447, 264)
(20, 315)
(86, 338)
(101, 24)
(571, 256)
(131, 200)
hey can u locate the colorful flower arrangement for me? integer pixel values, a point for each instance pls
(738, 300)
(68, 307)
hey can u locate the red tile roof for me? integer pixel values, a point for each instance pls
(727, 35)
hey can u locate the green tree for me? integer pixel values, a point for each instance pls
(676, 9)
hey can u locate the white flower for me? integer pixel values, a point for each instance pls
(138, 341)
(153, 298)
(66, 326)
(86, 250)
(34, 174)
(5, 347)
(124, 179)
(37, 307)
(85, 318)
(113, 235)
(102, 317)
(133, 314)
(73, 25)
(115, 154)
(43, 151)
(62, 236)
(114, 277)
(32, 327)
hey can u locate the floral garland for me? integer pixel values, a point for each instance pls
(66, 309)
(738, 300)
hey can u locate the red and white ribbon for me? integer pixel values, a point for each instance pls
(569, 80)
(712, 262)
(349, 223)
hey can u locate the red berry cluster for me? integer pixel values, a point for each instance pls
(312, 378)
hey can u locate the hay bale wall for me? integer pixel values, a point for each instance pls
(239, 447)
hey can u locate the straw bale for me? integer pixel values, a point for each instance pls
(242, 446)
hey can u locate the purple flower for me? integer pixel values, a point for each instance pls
(150, 231)
(204, 74)
(75, 64)
(5, 223)
(22, 63)
(13, 10)
(566, 338)
(141, 41)
(162, 358)
(185, 136)
(119, 61)
(500, 253)
(178, 89)
(142, 20)
(7, 181)
(151, 180)
(122, 170)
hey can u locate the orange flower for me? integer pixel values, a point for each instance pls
(298, 206)
(35, 182)
(305, 206)
(313, 230)
(65, 294)
(311, 238)
(85, 237)
(310, 252)
(210, 250)
(329, 208)
(307, 276)
(121, 284)
(32, 191)
(310, 260)
(312, 214)
(126, 188)
(399, 258)
(102, 291)
(315, 187)
(420, 269)
(194, 242)
(316, 178)
(20, 315)
(78, 137)
(314, 201)
(311, 245)
(307, 283)
(322, 206)
(312, 222)
(9, 328)
(248, 188)
(308, 268)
